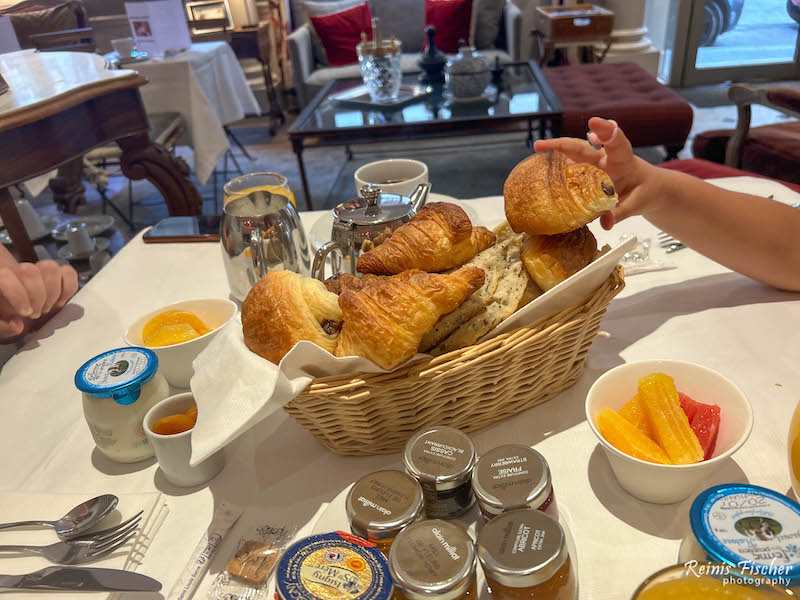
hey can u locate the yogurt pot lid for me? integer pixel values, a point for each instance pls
(118, 374)
(740, 523)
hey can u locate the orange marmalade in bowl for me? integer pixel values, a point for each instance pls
(172, 327)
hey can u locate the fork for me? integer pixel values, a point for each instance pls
(668, 242)
(86, 548)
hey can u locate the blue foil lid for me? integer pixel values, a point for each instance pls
(118, 374)
(750, 527)
(341, 564)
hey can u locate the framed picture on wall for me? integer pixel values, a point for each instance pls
(205, 10)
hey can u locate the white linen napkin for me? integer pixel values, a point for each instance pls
(234, 388)
(22, 506)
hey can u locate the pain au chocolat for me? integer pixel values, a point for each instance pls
(544, 195)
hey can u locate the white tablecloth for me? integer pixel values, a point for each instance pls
(699, 311)
(207, 86)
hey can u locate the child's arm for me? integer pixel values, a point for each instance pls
(755, 236)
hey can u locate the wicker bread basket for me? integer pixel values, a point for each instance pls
(470, 388)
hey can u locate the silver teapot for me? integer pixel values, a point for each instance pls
(361, 224)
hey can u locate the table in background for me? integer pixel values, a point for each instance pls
(207, 86)
(253, 41)
(61, 105)
(526, 98)
(699, 311)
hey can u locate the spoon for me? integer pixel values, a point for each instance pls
(80, 519)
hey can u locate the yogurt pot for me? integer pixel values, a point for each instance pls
(748, 527)
(119, 387)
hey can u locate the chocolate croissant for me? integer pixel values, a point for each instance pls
(284, 308)
(438, 238)
(385, 320)
(550, 259)
(545, 196)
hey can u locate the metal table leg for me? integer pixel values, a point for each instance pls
(297, 146)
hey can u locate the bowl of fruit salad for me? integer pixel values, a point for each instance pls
(179, 332)
(667, 425)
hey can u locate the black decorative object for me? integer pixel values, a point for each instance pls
(497, 74)
(432, 61)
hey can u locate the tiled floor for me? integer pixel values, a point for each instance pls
(331, 174)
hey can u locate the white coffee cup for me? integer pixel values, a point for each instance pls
(174, 451)
(394, 175)
(30, 219)
(79, 242)
(125, 47)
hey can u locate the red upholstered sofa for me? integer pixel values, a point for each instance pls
(705, 169)
(651, 114)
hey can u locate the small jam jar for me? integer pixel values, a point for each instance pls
(513, 476)
(524, 556)
(381, 504)
(434, 560)
(119, 387)
(333, 566)
(441, 459)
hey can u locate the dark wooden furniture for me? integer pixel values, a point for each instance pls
(525, 102)
(91, 107)
(770, 150)
(572, 25)
(248, 42)
(68, 40)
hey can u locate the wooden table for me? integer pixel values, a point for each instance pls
(252, 41)
(61, 105)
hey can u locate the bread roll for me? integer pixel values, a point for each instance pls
(546, 196)
(284, 308)
(550, 259)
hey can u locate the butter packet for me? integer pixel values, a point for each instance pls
(247, 573)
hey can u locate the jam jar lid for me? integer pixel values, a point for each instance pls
(511, 476)
(440, 456)
(333, 566)
(380, 504)
(739, 523)
(522, 548)
(118, 374)
(374, 207)
(433, 558)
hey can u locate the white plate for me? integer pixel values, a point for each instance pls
(334, 518)
(101, 244)
(320, 232)
(48, 222)
(569, 292)
(95, 225)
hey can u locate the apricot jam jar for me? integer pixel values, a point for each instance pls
(381, 504)
(512, 476)
(524, 556)
(442, 459)
(434, 560)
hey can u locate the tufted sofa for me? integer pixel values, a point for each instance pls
(405, 19)
(650, 113)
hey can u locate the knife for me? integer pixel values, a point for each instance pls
(83, 579)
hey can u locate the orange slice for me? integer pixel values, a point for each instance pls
(625, 437)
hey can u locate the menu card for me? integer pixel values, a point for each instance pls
(8, 37)
(159, 26)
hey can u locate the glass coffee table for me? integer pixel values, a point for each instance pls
(525, 102)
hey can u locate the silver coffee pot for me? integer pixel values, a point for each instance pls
(261, 232)
(361, 224)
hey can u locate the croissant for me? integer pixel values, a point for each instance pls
(546, 196)
(438, 238)
(284, 308)
(550, 259)
(386, 319)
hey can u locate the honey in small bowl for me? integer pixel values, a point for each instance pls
(172, 424)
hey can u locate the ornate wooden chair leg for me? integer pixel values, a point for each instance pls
(142, 159)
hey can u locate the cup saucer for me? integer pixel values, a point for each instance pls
(101, 244)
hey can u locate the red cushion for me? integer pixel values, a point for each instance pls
(452, 19)
(705, 169)
(340, 33)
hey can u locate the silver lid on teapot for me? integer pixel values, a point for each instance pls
(374, 207)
